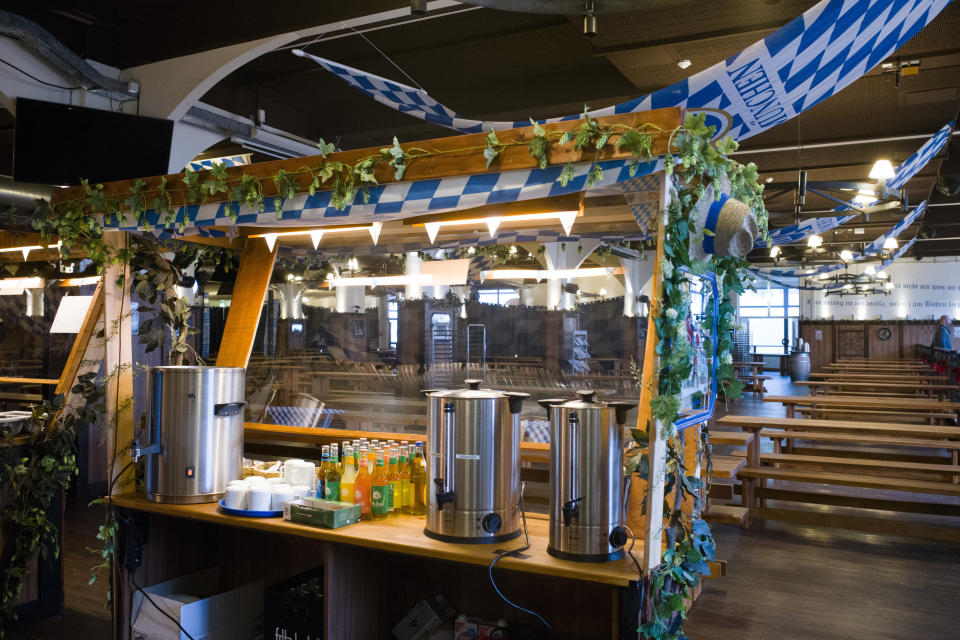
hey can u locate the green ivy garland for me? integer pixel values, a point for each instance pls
(690, 544)
(33, 471)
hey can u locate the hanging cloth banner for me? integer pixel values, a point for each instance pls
(808, 60)
(801, 64)
(871, 249)
(909, 168)
(896, 256)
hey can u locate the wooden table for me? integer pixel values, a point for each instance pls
(389, 563)
(903, 388)
(903, 405)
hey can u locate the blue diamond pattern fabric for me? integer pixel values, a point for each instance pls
(801, 64)
(811, 58)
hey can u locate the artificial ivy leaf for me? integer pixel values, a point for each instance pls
(326, 148)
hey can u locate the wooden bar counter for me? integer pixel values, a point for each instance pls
(375, 571)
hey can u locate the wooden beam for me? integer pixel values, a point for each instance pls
(94, 316)
(653, 526)
(246, 303)
(119, 363)
(468, 160)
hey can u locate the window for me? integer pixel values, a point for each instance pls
(393, 314)
(497, 296)
(771, 317)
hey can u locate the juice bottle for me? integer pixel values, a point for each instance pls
(349, 478)
(380, 495)
(322, 471)
(356, 457)
(331, 482)
(406, 489)
(393, 475)
(363, 486)
(418, 476)
(371, 459)
(335, 458)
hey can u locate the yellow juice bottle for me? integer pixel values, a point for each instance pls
(349, 478)
(406, 489)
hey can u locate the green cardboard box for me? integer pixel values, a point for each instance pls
(321, 513)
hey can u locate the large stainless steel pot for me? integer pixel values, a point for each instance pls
(194, 440)
(586, 478)
(473, 464)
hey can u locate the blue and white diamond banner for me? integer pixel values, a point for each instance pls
(912, 165)
(871, 249)
(811, 58)
(801, 64)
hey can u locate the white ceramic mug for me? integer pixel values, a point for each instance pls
(259, 497)
(235, 497)
(280, 495)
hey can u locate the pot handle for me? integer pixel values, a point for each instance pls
(515, 399)
(547, 403)
(228, 409)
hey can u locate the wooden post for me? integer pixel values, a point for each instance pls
(119, 364)
(253, 280)
(653, 527)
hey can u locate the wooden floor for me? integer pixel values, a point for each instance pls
(783, 581)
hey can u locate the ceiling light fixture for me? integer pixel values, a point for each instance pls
(684, 64)
(882, 170)
(79, 282)
(317, 234)
(566, 218)
(418, 279)
(846, 255)
(870, 270)
(891, 244)
(548, 274)
(814, 241)
(775, 251)
(589, 20)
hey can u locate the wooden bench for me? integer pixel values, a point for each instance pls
(904, 388)
(945, 471)
(754, 383)
(904, 406)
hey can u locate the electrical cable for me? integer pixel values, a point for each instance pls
(503, 554)
(157, 607)
(389, 59)
(633, 540)
(36, 79)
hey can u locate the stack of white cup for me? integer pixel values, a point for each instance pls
(298, 472)
(235, 496)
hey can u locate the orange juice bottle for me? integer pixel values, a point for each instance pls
(393, 475)
(363, 486)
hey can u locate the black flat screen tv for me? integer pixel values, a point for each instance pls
(60, 144)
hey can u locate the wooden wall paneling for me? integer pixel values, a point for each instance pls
(822, 350)
(246, 303)
(883, 349)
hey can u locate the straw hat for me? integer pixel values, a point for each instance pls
(722, 226)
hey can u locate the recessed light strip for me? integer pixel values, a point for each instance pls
(317, 234)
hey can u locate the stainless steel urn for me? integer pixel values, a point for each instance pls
(194, 439)
(473, 464)
(586, 478)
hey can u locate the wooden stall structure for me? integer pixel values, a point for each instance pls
(845, 340)
(374, 571)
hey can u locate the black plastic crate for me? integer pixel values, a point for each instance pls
(293, 609)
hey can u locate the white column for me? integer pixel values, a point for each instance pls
(414, 291)
(637, 274)
(565, 257)
(348, 298)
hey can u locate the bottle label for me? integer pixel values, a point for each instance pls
(346, 493)
(389, 496)
(379, 498)
(331, 491)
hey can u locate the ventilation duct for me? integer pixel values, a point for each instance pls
(22, 195)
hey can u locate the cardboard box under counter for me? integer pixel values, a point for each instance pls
(321, 513)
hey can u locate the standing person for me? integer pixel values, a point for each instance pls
(942, 337)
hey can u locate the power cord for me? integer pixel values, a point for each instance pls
(157, 607)
(132, 529)
(503, 554)
(36, 79)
